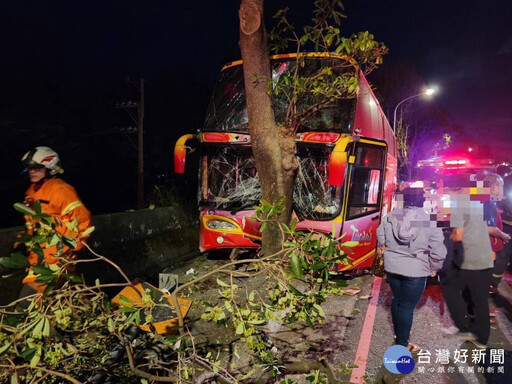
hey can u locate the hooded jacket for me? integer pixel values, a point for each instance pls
(413, 247)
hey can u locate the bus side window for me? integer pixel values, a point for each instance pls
(366, 181)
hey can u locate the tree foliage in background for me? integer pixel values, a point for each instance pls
(273, 145)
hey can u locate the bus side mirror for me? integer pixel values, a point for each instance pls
(180, 153)
(337, 166)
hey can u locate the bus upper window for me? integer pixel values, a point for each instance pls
(228, 110)
(370, 157)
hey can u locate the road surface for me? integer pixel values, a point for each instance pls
(370, 333)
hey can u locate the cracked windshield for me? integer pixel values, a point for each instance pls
(229, 179)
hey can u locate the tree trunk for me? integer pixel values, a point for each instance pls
(273, 148)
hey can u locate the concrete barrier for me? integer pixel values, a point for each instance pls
(142, 243)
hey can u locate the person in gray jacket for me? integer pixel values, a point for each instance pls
(413, 250)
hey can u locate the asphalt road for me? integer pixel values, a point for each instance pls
(431, 314)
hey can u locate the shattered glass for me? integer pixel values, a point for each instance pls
(313, 197)
(231, 181)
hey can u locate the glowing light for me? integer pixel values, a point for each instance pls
(320, 137)
(470, 149)
(430, 91)
(454, 162)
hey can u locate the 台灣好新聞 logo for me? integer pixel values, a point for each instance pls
(398, 359)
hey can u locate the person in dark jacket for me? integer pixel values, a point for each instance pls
(413, 250)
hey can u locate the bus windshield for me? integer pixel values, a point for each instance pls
(228, 111)
(313, 197)
(229, 181)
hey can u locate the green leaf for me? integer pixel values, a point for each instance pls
(69, 241)
(40, 270)
(257, 322)
(350, 244)
(14, 378)
(222, 284)
(35, 359)
(37, 207)
(27, 354)
(125, 301)
(38, 329)
(88, 231)
(128, 309)
(319, 309)
(15, 261)
(46, 327)
(37, 250)
(295, 266)
(73, 278)
(54, 241)
(4, 348)
(110, 325)
(240, 328)
(318, 265)
(23, 209)
(295, 291)
(308, 320)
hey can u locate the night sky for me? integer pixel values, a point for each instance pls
(64, 65)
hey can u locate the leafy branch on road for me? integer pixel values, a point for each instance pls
(70, 330)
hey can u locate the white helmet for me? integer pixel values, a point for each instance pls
(43, 156)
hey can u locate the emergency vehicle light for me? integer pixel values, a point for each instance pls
(454, 162)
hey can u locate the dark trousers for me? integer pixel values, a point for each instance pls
(500, 265)
(477, 283)
(507, 248)
(407, 292)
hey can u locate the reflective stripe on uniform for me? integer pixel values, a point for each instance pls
(70, 207)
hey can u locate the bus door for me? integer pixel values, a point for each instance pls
(364, 198)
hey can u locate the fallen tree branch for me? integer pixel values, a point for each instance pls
(39, 368)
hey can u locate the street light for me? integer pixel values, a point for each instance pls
(426, 92)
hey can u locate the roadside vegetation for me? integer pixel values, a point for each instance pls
(73, 332)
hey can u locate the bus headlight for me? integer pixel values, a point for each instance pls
(220, 225)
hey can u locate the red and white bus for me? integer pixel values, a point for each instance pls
(347, 165)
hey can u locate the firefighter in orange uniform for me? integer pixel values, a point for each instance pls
(57, 199)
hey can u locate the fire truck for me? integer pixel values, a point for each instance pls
(347, 165)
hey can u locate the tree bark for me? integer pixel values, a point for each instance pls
(273, 149)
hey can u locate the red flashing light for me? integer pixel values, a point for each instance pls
(320, 137)
(218, 137)
(455, 162)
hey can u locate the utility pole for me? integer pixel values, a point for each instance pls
(128, 107)
(140, 147)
